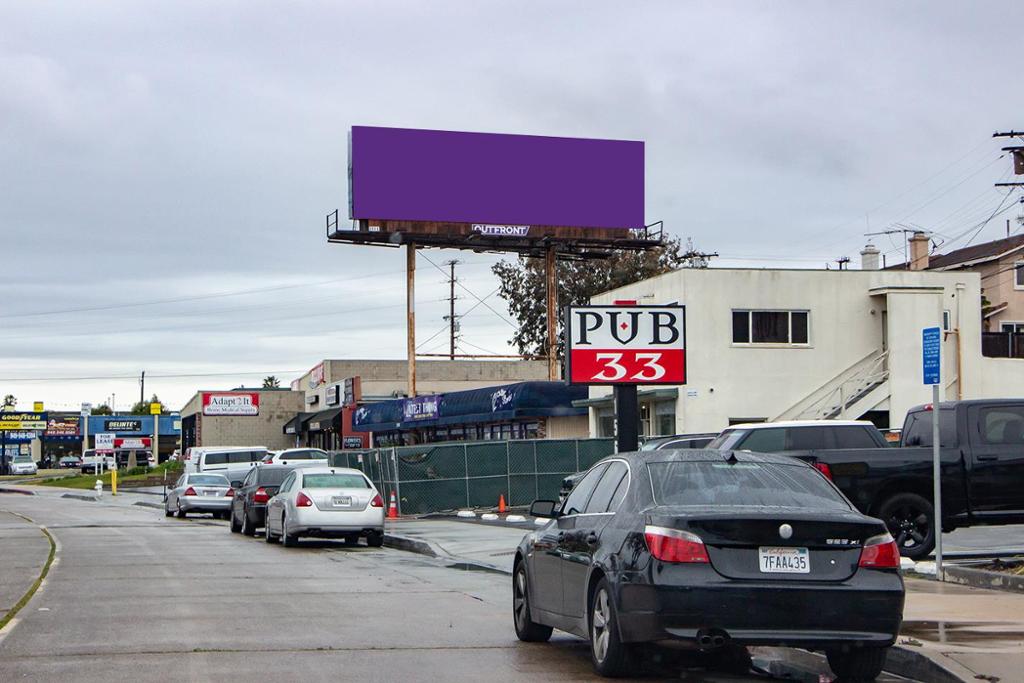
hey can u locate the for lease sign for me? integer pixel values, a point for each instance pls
(626, 344)
(231, 403)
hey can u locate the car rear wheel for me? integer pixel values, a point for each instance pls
(167, 512)
(857, 665)
(235, 526)
(375, 539)
(181, 513)
(248, 528)
(287, 540)
(526, 629)
(611, 657)
(269, 537)
(909, 519)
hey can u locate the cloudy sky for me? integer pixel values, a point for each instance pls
(166, 167)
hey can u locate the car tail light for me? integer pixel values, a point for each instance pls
(377, 502)
(230, 493)
(260, 496)
(190, 491)
(824, 469)
(880, 552)
(674, 545)
(303, 501)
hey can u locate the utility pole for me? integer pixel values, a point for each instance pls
(142, 387)
(696, 259)
(1017, 151)
(453, 325)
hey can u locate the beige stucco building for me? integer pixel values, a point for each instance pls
(239, 417)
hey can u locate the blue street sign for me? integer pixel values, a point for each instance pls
(931, 354)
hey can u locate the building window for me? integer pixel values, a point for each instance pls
(1018, 282)
(605, 422)
(770, 327)
(1015, 328)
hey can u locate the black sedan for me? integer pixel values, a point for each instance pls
(249, 505)
(713, 550)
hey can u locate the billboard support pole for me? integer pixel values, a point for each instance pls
(550, 272)
(410, 312)
(627, 418)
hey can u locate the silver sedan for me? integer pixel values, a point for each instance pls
(200, 493)
(326, 502)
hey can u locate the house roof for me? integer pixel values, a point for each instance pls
(978, 253)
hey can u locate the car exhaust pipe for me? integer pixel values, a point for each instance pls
(712, 639)
(704, 640)
(718, 641)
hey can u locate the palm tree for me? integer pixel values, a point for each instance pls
(10, 401)
(271, 382)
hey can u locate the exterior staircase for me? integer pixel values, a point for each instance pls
(848, 395)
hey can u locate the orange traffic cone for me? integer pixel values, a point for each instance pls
(392, 507)
(501, 504)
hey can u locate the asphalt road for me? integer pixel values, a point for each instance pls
(136, 596)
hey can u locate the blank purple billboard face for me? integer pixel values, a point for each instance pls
(402, 174)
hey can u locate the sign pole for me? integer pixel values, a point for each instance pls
(410, 314)
(937, 477)
(627, 418)
(931, 369)
(551, 275)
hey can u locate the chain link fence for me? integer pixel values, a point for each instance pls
(450, 476)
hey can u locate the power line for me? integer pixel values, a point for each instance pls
(472, 293)
(135, 377)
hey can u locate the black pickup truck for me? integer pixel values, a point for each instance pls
(982, 454)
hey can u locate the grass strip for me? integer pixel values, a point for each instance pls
(42, 575)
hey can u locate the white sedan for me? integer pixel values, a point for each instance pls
(326, 502)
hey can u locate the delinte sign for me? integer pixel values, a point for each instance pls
(231, 403)
(495, 181)
(626, 344)
(122, 425)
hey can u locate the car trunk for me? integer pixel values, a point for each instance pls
(204, 491)
(340, 499)
(823, 545)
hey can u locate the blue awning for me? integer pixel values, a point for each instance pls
(491, 404)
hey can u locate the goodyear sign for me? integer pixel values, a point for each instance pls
(19, 422)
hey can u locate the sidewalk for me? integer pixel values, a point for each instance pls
(487, 545)
(23, 552)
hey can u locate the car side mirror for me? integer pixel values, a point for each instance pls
(545, 509)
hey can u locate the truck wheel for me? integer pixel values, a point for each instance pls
(855, 665)
(909, 519)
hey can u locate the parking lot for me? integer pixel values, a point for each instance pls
(133, 595)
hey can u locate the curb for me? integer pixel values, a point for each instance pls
(415, 545)
(5, 489)
(91, 499)
(983, 578)
(142, 503)
(917, 666)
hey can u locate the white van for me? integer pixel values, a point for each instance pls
(237, 460)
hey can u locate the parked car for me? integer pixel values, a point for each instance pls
(799, 435)
(91, 461)
(714, 549)
(293, 455)
(326, 502)
(231, 461)
(249, 506)
(199, 493)
(982, 457)
(653, 444)
(70, 462)
(24, 464)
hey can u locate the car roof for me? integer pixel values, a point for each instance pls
(329, 470)
(707, 455)
(205, 474)
(300, 448)
(802, 423)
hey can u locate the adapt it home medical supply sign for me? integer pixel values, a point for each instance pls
(232, 403)
(626, 344)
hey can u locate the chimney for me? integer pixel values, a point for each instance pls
(919, 251)
(869, 257)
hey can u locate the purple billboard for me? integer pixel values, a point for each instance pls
(505, 181)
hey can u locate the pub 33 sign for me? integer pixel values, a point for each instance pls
(626, 344)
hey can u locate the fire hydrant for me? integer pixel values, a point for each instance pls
(99, 489)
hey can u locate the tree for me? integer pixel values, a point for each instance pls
(271, 382)
(142, 407)
(523, 285)
(102, 409)
(10, 401)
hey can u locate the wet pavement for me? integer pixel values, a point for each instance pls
(137, 596)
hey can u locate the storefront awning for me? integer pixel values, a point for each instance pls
(297, 424)
(661, 394)
(324, 420)
(490, 404)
